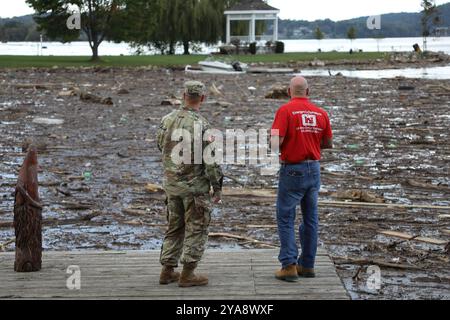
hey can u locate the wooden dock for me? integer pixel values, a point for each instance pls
(234, 275)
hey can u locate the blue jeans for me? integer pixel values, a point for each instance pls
(299, 184)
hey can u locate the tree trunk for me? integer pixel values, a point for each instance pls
(172, 48)
(186, 48)
(28, 217)
(95, 56)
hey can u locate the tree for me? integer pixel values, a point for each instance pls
(187, 26)
(159, 23)
(351, 34)
(199, 21)
(13, 31)
(138, 24)
(162, 24)
(210, 20)
(98, 18)
(378, 38)
(429, 17)
(318, 34)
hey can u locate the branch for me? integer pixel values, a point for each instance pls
(91, 26)
(7, 243)
(232, 236)
(57, 222)
(28, 198)
(339, 261)
(108, 20)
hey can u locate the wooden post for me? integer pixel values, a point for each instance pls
(28, 217)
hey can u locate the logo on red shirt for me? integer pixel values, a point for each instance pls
(309, 120)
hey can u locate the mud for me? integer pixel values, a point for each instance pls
(99, 160)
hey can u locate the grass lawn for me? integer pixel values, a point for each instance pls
(178, 60)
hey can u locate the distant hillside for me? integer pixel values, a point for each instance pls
(392, 25)
(18, 29)
(21, 29)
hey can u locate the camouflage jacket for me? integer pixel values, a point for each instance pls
(192, 177)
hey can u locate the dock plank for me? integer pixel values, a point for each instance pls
(234, 275)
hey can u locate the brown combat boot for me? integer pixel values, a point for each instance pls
(189, 279)
(288, 274)
(168, 275)
(305, 272)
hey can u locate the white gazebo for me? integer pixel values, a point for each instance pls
(251, 11)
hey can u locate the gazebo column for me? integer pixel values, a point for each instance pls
(228, 29)
(275, 29)
(252, 36)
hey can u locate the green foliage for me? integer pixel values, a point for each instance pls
(319, 34)
(242, 27)
(18, 29)
(162, 24)
(261, 27)
(429, 16)
(351, 33)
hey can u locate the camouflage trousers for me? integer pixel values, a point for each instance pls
(187, 235)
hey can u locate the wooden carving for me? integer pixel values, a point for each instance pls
(28, 217)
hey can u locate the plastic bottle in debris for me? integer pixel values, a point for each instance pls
(124, 118)
(87, 175)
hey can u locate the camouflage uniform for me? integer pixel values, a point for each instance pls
(187, 187)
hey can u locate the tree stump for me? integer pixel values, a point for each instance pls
(28, 216)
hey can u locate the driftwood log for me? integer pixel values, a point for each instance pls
(28, 217)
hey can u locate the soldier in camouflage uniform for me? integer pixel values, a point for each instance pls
(187, 186)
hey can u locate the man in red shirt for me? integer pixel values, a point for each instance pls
(303, 130)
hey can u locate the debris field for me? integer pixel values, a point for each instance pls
(385, 194)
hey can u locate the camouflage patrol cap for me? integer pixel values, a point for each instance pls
(194, 88)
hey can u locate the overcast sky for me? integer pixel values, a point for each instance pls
(290, 9)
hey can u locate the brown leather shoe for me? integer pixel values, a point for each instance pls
(288, 274)
(168, 275)
(305, 272)
(189, 279)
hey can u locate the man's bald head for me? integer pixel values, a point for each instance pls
(299, 87)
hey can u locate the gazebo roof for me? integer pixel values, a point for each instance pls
(252, 5)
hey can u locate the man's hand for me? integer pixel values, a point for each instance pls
(327, 143)
(217, 198)
(276, 142)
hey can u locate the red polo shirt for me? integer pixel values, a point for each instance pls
(303, 126)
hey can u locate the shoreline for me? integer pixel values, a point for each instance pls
(296, 61)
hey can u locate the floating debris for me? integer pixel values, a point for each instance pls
(48, 121)
(171, 102)
(120, 145)
(278, 92)
(359, 195)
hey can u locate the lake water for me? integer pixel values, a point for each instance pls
(368, 45)
(116, 49)
(439, 73)
(340, 45)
